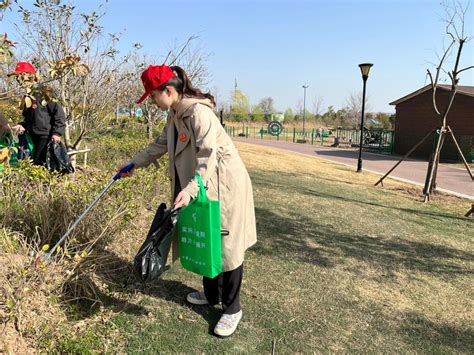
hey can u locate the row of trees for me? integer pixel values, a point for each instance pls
(81, 62)
(93, 80)
(341, 118)
(240, 110)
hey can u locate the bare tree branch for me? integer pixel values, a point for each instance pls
(433, 87)
(434, 83)
(183, 49)
(167, 56)
(464, 69)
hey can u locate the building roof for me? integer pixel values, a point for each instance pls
(463, 90)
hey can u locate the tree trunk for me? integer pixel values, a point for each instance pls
(67, 134)
(117, 114)
(149, 129)
(430, 181)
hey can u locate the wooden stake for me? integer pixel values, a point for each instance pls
(403, 158)
(460, 153)
(470, 212)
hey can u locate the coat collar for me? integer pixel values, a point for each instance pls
(183, 107)
(183, 110)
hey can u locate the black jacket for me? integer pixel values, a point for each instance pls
(44, 120)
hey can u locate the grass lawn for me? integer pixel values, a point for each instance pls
(340, 266)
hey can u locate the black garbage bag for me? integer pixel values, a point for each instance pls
(57, 158)
(150, 261)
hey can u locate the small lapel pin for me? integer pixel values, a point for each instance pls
(183, 137)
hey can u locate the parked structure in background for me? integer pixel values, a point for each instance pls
(415, 118)
(442, 105)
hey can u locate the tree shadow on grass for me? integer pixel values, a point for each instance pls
(419, 330)
(87, 301)
(117, 274)
(289, 181)
(294, 236)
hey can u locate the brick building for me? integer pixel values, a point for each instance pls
(415, 117)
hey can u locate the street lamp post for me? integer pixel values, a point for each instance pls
(364, 68)
(304, 108)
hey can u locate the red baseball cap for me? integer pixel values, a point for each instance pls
(23, 67)
(154, 77)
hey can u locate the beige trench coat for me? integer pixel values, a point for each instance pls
(204, 148)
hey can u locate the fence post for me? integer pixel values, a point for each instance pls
(322, 136)
(261, 133)
(312, 137)
(246, 132)
(294, 134)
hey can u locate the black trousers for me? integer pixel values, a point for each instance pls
(40, 144)
(225, 288)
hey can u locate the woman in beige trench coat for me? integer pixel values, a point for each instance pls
(196, 143)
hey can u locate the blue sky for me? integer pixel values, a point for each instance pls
(274, 47)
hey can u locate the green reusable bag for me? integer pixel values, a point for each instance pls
(7, 141)
(199, 232)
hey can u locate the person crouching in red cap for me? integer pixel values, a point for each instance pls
(196, 143)
(43, 123)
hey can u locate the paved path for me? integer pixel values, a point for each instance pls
(455, 181)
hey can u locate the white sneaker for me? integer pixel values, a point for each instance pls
(227, 324)
(197, 298)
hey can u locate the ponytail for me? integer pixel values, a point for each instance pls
(183, 85)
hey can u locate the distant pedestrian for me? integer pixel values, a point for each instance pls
(44, 120)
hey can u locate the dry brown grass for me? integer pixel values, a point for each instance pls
(25, 310)
(310, 168)
(43, 303)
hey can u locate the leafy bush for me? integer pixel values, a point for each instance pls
(113, 146)
(37, 207)
(11, 111)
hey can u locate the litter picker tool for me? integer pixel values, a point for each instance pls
(47, 255)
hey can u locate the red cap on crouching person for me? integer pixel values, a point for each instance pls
(154, 77)
(23, 67)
